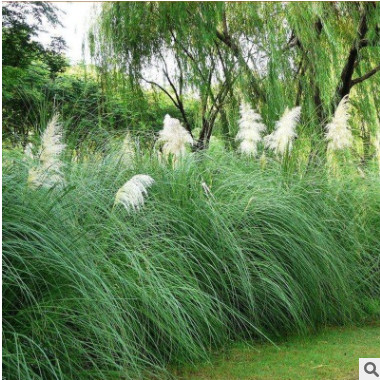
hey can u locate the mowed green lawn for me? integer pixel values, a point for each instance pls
(331, 354)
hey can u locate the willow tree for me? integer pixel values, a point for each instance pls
(274, 55)
(334, 48)
(187, 42)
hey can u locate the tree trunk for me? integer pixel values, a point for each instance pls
(225, 129)
(348, 70)
(204, 137)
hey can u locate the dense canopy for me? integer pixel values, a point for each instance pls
(271, 54)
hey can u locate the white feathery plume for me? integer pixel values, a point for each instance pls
(128, 149)
(174, 138)
(131, 194)
(281, 139)
(51, 145)
(48, 174)
(250, 129)
(41, 178)
(338, 134)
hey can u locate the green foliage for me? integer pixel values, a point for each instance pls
(30, 97)
(23, 99)
(274, 55)
(226, 247)
(28, 66)
(22, 22)
(211, 56)
(91, 292)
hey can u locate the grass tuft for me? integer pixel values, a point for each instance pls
(92, 292)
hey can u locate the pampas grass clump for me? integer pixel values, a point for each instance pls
(49, 174)
(281, 139)
(250, 129)
(131, 194)
(338, 134)
(226, 252)
(174, 138)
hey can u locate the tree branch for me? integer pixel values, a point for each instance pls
(162, 89)
(365, 76)
(235, 48)
(348, 69)
(179, 103)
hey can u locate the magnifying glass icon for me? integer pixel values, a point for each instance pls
(370, 368)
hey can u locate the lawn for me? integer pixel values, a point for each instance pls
(331, 354)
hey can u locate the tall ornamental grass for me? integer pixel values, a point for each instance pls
(93, 292)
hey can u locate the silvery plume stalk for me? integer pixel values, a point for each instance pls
(131, 194)
(250, 129)
(338, 134)
(28, 151)
(376, 143)
(174, 138)
(281, 139)
(49, 170)
(128, 150)
(207, 190)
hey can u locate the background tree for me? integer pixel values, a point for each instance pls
(27, 64)
(21, 23)
(266, 53)
(183, 33)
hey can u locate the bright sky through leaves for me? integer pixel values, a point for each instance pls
(75, 18)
